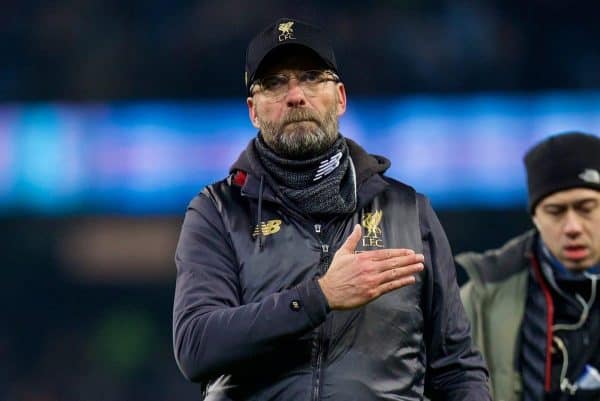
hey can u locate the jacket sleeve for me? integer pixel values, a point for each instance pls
(469, 300)
(455, 370)
(469, 291)
(212, 330)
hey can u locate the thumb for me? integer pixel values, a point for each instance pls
(352, 240)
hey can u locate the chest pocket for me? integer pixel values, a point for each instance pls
(288, 257)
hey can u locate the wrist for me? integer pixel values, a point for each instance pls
(322, 283)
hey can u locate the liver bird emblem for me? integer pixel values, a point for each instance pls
(371, 221)
(287, 32)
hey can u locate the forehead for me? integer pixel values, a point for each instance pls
(290, 57)
(570, 196)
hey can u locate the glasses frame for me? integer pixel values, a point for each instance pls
(325, 76)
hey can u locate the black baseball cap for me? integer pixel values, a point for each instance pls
(285, 32)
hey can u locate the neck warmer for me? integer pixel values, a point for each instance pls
(555, 267)
(325, 184)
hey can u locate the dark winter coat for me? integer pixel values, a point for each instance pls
(247, 303)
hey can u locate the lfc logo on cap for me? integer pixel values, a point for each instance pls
(287, 32)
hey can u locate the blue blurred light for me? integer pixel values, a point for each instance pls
(152, 157)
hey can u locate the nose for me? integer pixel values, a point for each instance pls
(572, 227)
(295, 96)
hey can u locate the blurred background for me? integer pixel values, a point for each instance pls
(114, 114)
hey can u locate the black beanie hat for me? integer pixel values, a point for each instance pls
(560, 162)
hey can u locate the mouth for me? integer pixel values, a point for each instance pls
(576, 252)
(298, 120)
(299, 125)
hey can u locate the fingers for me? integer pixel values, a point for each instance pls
(399, 261)
(352, 240)
(394, 285)
(383, 264)
(400, 272)
(381, 254)
(397, 278)
(392, 279)
(391, 285)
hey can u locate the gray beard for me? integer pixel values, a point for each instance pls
(301, 134)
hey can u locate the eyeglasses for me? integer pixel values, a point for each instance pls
(274, 87)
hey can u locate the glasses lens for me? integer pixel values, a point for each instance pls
(274, 83)
(275, 86)
(311, 77)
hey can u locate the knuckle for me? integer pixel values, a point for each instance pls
(402, 260)
(369, 282)
(416, 267)
(367, 269)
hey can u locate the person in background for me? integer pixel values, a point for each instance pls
(533, 303)
(307, 274)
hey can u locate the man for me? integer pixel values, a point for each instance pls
(533, 303)
(307, 274)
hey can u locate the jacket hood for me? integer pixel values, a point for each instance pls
(365, 164)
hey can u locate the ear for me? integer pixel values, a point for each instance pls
(535, 222)
(252, 112)
(341, 101)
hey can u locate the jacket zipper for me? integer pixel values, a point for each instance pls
(320, 344)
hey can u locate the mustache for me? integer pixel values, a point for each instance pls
(299, 115)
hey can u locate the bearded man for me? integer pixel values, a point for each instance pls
(307, 274)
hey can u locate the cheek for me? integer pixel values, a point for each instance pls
(327, 104)
(551, 233)
(594, 233)
(266, 111)
(554, 233)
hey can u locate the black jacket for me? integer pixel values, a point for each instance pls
(247, 302)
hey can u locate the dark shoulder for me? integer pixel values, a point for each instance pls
(398, 185)
(216, 193)
(498, 264)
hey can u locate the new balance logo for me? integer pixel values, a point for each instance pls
(327, 166)
(267, 227)
(590, 175)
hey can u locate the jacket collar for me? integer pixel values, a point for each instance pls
(368, 174)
